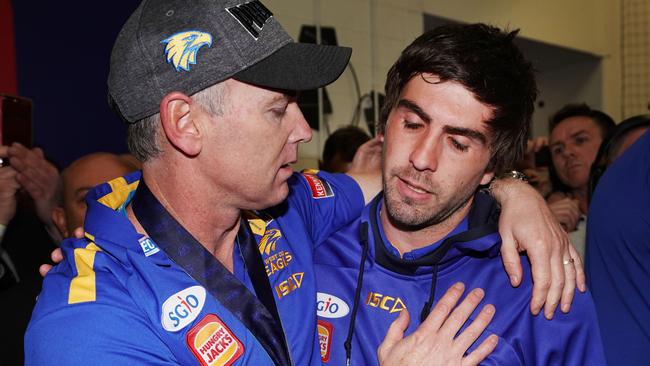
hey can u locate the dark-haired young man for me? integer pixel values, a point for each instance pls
(459, 104)
(575, 134)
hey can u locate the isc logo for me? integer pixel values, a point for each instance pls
(385, 302)
(290, 284)
(182, 308)
(330, 306)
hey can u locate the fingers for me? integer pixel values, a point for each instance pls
(578, 266)
(440, 312)
(474, 330)
(567, 212)
(44, 269)
(540, 258)
(57, 255)
(79, 232)
(460, 315)
(511, 259)
(569, 283)
(481, 352)
(395, 333)
(557, 283)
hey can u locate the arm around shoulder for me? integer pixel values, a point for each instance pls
(94, 334)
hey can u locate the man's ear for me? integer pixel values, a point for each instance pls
(180, 126)
(58, 216)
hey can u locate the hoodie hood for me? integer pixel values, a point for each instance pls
(481, 239)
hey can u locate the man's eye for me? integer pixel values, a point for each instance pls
(458, 145)
(279, 112)
(581, 140)
(557, 150)
(411, 125)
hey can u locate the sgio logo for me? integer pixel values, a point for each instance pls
(182, 308)
(385, 302)
(330, 306)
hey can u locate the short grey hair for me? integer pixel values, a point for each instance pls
(143, 135)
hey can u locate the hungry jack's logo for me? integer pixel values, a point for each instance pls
(325, 330)
(213, 343)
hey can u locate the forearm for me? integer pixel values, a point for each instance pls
(370, 184)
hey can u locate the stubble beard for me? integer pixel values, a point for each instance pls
(407, 215)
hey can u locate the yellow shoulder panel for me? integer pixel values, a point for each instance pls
(120, 192)
(82, 287)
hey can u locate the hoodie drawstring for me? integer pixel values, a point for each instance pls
(363, 237)
(426, 308)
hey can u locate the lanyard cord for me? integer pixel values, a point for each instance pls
(258, 314)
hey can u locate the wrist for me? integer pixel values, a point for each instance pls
(508, 184)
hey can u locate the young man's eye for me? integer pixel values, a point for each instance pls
(411, 125)
(556, 150)
(458, 146)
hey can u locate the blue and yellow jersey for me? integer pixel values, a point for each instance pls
(117, 299)
(469, 254)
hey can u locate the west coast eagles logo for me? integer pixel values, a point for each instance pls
(182, 48)
(267, 243)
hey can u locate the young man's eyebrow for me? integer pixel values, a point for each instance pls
(472, 134)
(405, 103)
(467, 132)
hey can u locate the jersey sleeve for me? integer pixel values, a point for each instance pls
(325, 201)
(94, 334)
(567, 339)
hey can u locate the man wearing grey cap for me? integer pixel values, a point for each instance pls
(170, 271)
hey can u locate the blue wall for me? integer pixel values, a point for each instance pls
(63, 50)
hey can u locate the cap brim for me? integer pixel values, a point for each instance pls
(298, 66)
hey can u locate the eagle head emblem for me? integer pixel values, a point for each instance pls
(267, 243)
(181, 48)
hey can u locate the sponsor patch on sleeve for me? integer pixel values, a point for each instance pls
(148, 246)
(325, 331)
(213, 343)
(319, 187)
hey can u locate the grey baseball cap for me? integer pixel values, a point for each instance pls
(189, 45)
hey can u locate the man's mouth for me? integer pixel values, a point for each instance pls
(414, 187)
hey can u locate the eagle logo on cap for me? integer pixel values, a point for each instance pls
(181, 48)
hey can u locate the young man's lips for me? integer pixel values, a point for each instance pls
(415, 188)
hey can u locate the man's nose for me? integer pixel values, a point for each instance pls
(426, 153)
(301, 131)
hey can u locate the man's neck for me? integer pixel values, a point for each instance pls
(407, 241)
(213, 225)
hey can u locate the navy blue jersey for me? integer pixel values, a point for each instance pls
(618, 255)
(470, 254)
(118, 299)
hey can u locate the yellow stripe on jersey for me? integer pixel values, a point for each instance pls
(120, 192)
(82, 287)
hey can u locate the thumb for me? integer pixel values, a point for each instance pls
(511, 259)
(395, 332)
